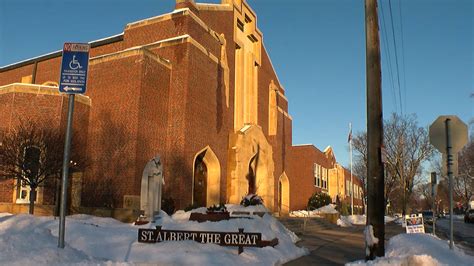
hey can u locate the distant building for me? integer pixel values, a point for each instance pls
(311, 171)
(196, 86)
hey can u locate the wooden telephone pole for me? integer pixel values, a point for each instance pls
(375, 168)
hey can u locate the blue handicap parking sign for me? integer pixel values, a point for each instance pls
(74, 66)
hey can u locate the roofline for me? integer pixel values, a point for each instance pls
(96, 43)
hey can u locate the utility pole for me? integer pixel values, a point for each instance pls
(375, 169)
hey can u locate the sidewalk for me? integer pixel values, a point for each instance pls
(336, 245)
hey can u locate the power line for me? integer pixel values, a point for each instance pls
(396, 56)
(386, 46)
(403, 55)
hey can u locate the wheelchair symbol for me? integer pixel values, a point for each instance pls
(74, 64)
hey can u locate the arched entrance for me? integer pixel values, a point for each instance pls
(283, 195)
(206, 178)
(251, 175)
(250, 166)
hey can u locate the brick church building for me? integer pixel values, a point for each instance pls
(196, 86)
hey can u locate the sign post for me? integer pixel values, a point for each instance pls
(433, 199)
(449, 134)
(73, 80)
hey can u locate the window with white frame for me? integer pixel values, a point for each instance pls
(317, 175)
(348, 187)
(31, 158)
(324, 178)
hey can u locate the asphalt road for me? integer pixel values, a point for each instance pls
(463, 233)
(337, 245)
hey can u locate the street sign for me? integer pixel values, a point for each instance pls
(75, 61)
(458, 133)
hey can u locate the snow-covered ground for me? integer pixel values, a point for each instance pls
(419, 249)
(30, 240)
(330, 208)
(350, 220)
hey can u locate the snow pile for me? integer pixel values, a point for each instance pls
(352, 220)
(370, 239)
(330, 208)
(419, 249)
(25, 240)
(346, 221)
(343, 222)
(29, 240)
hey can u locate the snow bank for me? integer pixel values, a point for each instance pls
(28, 240)
(343, 223)
(330, 208)
(419, 249)
(346, 221)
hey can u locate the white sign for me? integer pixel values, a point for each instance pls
(414, 224)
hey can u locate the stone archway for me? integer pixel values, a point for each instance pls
(284, 194)
(206, 178)
(250, 154)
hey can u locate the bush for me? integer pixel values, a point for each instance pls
(345, 209)
(167, 205)
(318, 200)
(251, 200)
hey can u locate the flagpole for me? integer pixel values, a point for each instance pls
(352, 185)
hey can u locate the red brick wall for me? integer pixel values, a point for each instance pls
(114, 87)
(6, 190)
(15, 75)
(301, 173)
(47, 110)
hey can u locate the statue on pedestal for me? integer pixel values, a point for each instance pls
(151, 188)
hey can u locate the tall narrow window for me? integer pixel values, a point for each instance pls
(317, 175)
(247, 63)
(272, 109)
(31, 161)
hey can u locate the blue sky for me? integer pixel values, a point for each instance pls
(317, 48)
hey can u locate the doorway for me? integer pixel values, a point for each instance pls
(200, 180)
(206, 178)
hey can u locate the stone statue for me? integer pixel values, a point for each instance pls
(151, 187)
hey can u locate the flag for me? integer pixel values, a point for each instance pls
(349, 138)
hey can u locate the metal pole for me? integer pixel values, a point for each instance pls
(433, 196)
(352, 184)
(375, 172)
(449, 161)
(65, 174)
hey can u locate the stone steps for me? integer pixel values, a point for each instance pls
(313, 225)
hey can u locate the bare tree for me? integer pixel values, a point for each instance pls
(463, 184)
(406, 148)
(31, 154)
